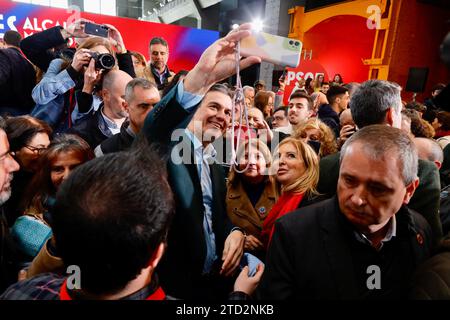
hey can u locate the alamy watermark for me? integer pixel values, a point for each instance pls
(374, 20)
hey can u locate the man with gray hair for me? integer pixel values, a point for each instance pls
(249, 93)
(8, 165)
(364, 243)
(140, 97)
(158, 72)
(379, 102)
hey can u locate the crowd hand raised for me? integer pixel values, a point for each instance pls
(75, 29)
(245, 283)
(116, 38)
(346, 132)
(264, 131)
(91, 77)
(252, 243)
(218, 62)
(81, 58)
(232, 252)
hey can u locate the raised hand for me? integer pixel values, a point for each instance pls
(218, 62)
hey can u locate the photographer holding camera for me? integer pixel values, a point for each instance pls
(66, 92)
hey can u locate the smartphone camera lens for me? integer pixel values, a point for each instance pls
(297, 43)
(291, 42)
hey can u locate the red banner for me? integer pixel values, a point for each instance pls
(185, 44)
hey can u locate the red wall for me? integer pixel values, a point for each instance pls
(421, 29)
(339, 44)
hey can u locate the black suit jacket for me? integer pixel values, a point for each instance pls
(182, 264)
(88, 129)
(17, 80)
(309, 256)
(424, 201)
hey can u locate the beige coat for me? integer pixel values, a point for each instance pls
(241, 211)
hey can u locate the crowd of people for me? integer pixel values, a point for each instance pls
(159, 185)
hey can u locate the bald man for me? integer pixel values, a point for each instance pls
(107, 121)
(430, 150)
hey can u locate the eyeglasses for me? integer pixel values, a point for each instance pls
(35, 149)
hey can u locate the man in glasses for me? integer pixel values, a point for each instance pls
(7, 166)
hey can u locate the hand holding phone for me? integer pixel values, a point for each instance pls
(271, 48)
(96, 29)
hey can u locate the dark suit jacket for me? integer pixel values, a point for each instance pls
(88, 129)
(17, 80)
(425, 199)
(309, 256)
(182, 264)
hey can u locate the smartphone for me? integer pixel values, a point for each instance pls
(96, 29)
(271, 48)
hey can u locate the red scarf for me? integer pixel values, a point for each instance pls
(157, 295)
(287, 203)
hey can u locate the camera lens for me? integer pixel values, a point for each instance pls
(291, 42)
(297, 43)
(105, 61)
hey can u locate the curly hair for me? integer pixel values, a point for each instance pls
(419, 128)
(328, 144)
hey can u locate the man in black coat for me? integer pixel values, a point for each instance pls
(17, 78)
(7, 248)
(203, 247)
(379, 102)
(362, 244)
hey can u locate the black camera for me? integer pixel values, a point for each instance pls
(104, 61)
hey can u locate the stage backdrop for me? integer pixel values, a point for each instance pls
(185, 44)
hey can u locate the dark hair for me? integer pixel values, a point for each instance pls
(444, 119)
(110, 216)
(158, 40)
(174, 81)
(223, 88)
(261, 101)
(351, 87)
(335, 91)
(371, 101)
(416, 106)
(41, 186)
(439, 86)
(2, 124)
(300, 94)
(21, 130)
(340, 78)
(12, 38)
(285, 110)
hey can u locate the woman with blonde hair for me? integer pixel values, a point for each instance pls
(297, 173)
(315, 130)
(251, 191)
(139, 63)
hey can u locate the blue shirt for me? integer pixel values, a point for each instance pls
(203, 157)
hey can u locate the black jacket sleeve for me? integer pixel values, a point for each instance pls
(37, 46)
(84, 101)
(125, 63)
